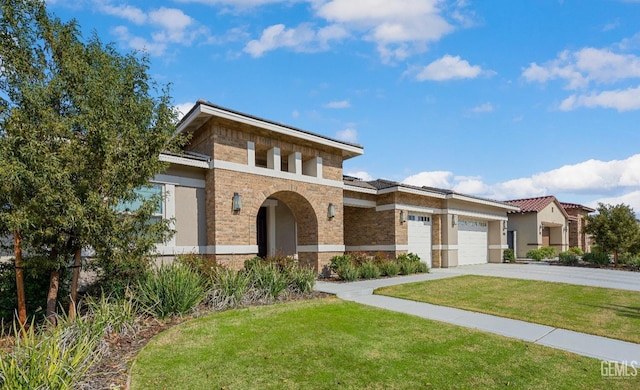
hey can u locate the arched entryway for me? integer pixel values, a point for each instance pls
(285, 222)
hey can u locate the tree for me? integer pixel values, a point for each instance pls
(81, 128)
(614, 228)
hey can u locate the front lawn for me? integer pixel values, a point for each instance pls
(600, 311)
(328, 343)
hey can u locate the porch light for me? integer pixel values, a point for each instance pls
(331, 211)
(403, 217)
(504, 225)
(237, 202)
(454, 220)
(541, 227)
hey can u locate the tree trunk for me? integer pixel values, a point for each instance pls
(52, 296)
(615, 258)
(73, 294)
(22, 305)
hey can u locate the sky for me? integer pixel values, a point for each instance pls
(498, 99)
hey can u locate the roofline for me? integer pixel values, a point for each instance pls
(202, 108)
(439, 195)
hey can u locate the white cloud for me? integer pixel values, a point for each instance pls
(183, 108)
(485, 107)
(348, 135)
(631, 199)
(399, 28)
(470, 185)
(581, 68)
(593, 177)
(302, 39)
(448, 68)
(338, 104)
(174, 24)
(138, 43)
(621, 100)
(438, 179)
(360, 175)
(133, 14)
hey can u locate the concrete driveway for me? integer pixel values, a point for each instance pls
(623, 280)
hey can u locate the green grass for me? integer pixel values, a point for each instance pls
(600, 311)
(328, 343)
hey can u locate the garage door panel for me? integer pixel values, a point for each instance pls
(473, 242)
(419, 237)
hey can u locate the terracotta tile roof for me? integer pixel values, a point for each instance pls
(531, 205)
(576, 206)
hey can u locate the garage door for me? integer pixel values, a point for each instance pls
(419, 239)
(472, 242)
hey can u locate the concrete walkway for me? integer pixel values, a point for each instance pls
(583, 344)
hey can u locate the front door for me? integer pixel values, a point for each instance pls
(546, 234)
(261, 229)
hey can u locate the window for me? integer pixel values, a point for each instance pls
(144, 194)
(421, 218)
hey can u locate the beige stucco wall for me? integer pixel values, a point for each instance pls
(528, 229)
(190, 217)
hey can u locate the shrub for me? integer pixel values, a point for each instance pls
(337, 262)
(508, 256)
(390, 268)
(301, 279)
(409, 267)
(369, 270)
(596, 257)
(423, 268)
(113, 315)
(232, 286)
(568, 258)
(576, 250)
(347, 272)
(170, 289)
(268, 280)
(381, 258)
(548, 252)
(205, 266)
(359, 258)
(56, 358)
(535, 254)
(36, 286)
(629, 259)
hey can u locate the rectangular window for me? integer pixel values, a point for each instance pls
(144, 194)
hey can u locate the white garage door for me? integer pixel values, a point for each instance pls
(419, 239)
(473, 242)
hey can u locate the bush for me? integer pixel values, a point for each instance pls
(301, 279)
(347, 272)
(232, 286)
(56, 358)
(268, 280)
(508, 256)
(369, 270)
(205, 266)
(113, 315)
(170, 289)
(337, 262)
(36, 286)
(548, 252)
(568, 258)
(629, 259)
(390, 268)
(409, 267)
(423, 268)
(535, 254)
(596, 257)
(576, 250)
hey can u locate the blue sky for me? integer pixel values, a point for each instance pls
(500, 99)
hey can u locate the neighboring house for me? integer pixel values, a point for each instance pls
(577, 222)
(540, 222)
(246, 186)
